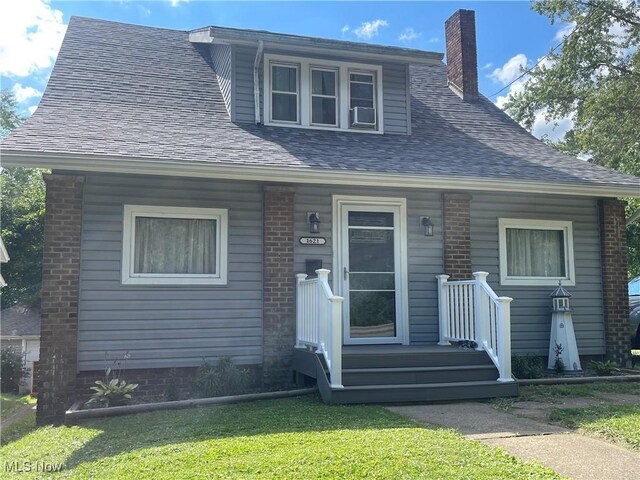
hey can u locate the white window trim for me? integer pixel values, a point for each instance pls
(304, 116)
(565, 226)
(128, 245)
(297, 93)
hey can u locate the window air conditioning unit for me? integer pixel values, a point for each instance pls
(363, 117)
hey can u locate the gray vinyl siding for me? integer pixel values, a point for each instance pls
(530, 309)
(424, 253)
(394, 83)
(168, 326)
(221, 58)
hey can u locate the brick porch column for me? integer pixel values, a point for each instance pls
(279, 284)
(60, 278)
(456, 214)
(613, 244)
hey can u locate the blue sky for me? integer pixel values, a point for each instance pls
(510, 35)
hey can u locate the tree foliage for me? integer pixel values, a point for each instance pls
(22, 220)
(594, 78)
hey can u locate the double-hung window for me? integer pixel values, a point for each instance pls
(322, 94)
(174, 246)
(536, 252)
(324, 97)
(284, 93)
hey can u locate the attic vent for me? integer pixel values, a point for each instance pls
(363, 117)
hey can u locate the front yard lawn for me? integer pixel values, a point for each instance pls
(618, 423)
(289, 438)
(10, 402)
(560, 393)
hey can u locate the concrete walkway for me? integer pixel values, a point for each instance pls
(572, 455)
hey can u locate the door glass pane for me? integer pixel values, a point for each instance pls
(323, 82)
(323, 110)
(372, 281)
(372, 314)
(284, 79)
(284, 107)
(371, 250)
(370, 219)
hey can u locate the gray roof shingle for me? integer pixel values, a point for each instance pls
(20, 321)
(131, 91)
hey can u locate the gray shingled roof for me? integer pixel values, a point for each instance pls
(20, 321)
(131, 91)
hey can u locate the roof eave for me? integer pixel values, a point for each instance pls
(302, 175)
(311, 45)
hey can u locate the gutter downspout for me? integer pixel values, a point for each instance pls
(256, 85)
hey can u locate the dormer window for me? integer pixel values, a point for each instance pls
(284, 93)
(329, 95)
(324, 97)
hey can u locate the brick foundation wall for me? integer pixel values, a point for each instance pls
(613, 244)
(279, 283)
(155, 384)
(456, 214)
(462, 62)
(60, 279)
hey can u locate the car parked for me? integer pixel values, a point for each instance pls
(634, 310)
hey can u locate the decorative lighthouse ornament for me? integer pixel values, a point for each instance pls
(563, 351)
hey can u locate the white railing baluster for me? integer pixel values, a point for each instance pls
(319, 321)
(471, 310)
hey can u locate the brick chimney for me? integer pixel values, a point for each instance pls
(462, 60)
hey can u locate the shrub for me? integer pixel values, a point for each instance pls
(12, 369)
(606, 368)
(558, 365)
(527, 366)
(224, 378)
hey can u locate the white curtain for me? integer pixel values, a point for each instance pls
(175, 245)
(535, 253)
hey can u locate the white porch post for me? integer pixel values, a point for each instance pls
(504, 338)
(481, 308)
(324, 330)
(443, 308)
(299, 314)
(336, 342)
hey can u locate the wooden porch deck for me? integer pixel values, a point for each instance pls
(405, 373)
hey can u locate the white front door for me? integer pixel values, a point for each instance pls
(370, 268)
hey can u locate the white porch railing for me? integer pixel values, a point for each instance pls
(471, 310)
(319, 321)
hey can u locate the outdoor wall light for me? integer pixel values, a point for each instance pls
(428, 226)
(314, 222)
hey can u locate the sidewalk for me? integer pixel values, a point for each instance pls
(569, 454)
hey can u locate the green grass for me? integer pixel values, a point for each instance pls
(10, 403)
(290, 438)
(559, 393)
(617, 423)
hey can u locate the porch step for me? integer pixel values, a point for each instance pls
(430, 392)
(414, 358)
(418, 375)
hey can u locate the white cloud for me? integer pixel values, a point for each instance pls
(345, 30)
(434, 40)
(23, 94)
(30, 36)
(565, 31)
(32, 109)
(409, 34)
(175, 3)
(369, 30)
(510, 70)
(553, 130)
(487, 66)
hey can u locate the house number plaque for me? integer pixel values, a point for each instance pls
(313, 240)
